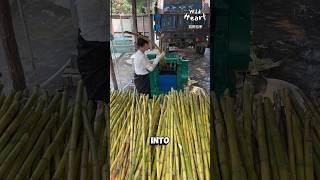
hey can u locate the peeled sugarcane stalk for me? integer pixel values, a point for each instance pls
(131, 135)
(32, 122)
(170, 171)
(26, 167)
(215, 169)
(59, 172)
(311, 105)
(119, 117)
(144, 138)
(245, 157)
(150, 134)
(7, 102)
(13, 141)
(265, 172)
(47, 172)
(19, 119)
(84, 158)
(279, 120)
(133, 118)
(2, 98)
(31, 118)
(165, 119)
(298, 145)
(197, 145)
(93, 146)
(177, 142)
(34, 164)
(105, 144)
(182, 137)
(308, 149)
(34, 133)
(13, 155)
(158, 157)
(137, 138)
(203, 128)
(76, 122)
(52, 149)
(316, 164)
(62, 115)
(248, 119)
(288, 111)
(119, 153)
(177, 163)
(186, 136)
(276, 141)
(64, 105)
(222, 141)
(245, 135)
(98, 130)
(9, 115)
(78, 157)
(122, 161)
(183, 162)
(139, 156)
(238, 171)
(160, 131)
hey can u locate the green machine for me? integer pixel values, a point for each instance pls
(230, 25)
(174, 75)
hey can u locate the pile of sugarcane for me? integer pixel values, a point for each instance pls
(259, 138)
(183, 117)
(45, 137)
(53, 137)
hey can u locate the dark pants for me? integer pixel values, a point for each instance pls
(93, 58)
(142, 84)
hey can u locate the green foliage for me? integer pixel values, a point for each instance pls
(121, 6)
(125, 6)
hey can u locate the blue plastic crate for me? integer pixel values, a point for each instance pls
(166, 82)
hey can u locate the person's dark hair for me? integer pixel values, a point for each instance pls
(141, 42)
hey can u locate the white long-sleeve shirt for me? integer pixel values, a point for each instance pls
(92, 17)
(142, 65)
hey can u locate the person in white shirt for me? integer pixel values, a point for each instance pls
(143, 66)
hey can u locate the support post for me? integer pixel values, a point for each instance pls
(113, 75)
(10, 46)
(151, 21)
(134, 19)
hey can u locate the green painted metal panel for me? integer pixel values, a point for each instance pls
(177, 64)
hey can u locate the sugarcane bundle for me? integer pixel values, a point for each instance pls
(276, 139)
(181, 116)
(54, 137)
(41, 136)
